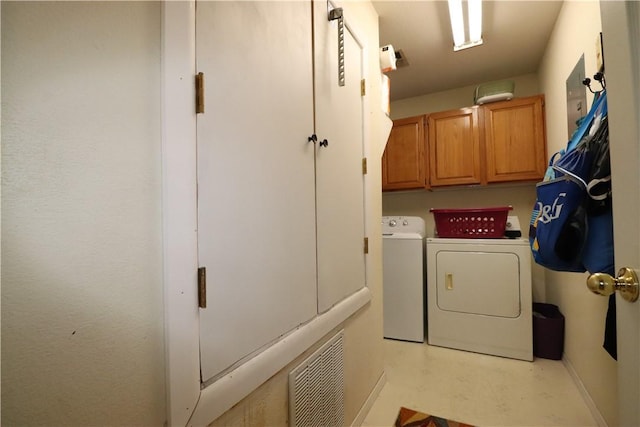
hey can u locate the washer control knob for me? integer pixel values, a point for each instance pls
(392, 223)
(405, 222)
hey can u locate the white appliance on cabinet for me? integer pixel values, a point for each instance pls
(403, 278)
(479, 296)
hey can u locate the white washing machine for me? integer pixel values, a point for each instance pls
(479, 296)
(403, 279)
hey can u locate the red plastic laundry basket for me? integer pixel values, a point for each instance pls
(479, 223)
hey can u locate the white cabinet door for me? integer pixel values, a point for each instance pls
(339, 181)
(256, 194)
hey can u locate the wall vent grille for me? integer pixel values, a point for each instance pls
(316, 387)
(401, 59)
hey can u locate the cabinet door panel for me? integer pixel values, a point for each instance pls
(339, 177)
(454, 148)
(256, 190)
(403, 162)
(515, 140)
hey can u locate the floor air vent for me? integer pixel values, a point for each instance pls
(316, 387)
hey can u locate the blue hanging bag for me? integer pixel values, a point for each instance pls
(559, 226)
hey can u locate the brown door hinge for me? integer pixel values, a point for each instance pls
(199, 93)
(202, 287)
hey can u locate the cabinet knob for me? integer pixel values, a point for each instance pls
(324, 143)
(313, 138)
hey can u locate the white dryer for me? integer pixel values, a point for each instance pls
(479, 296)
(403, 280)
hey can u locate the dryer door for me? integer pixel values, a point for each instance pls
(478, 283)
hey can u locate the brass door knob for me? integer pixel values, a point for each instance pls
(626, 283)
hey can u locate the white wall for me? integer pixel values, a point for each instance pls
(82, 309)
(525, 85)
(82, 312)
(576, 31)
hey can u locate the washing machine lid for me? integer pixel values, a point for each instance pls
(406, 236)
(400, 226)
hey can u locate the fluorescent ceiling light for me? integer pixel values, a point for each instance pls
(474, 18)
(457, 21)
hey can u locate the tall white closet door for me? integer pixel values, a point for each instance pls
(256, 194)
(339, 181)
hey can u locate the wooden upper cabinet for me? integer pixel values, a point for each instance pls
(492, 143)
(454, 148)
(403, 161)
(515, 139)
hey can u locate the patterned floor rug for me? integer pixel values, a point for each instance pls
(411, 418)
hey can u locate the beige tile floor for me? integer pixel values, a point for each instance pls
(477, 389)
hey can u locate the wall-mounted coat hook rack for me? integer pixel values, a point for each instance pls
(587, 83)
(599, 77)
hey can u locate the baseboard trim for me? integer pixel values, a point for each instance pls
(585, 394)
(368, 404)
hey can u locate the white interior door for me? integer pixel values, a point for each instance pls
(339, 181)
(256, 190)
(621, 34)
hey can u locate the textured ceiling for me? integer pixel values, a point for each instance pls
(515, 35)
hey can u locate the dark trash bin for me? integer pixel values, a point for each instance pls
(548, 331)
